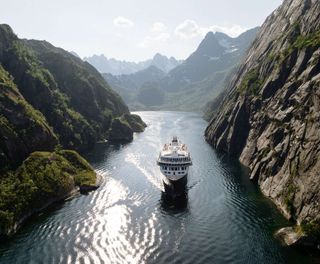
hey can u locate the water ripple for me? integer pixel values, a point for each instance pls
(223, 219)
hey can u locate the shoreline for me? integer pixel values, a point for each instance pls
(71, 194)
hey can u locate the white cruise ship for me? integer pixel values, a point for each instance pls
(174, 161)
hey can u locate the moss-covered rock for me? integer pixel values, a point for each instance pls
(22, 128)
(50, 98)
(312, 228)
(85, 174)
(120, 131)
(43, 178)
(135, 122)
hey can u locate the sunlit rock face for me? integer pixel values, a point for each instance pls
(270, 115)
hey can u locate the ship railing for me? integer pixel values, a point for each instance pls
(171, 160)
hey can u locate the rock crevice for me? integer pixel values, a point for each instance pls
(277, 132)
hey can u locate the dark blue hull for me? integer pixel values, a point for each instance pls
(175, 189)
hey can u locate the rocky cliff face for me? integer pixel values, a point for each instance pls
(50, 99)
(72, 96)
(22, 128)
(270, 116)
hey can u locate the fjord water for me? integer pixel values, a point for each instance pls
(224, 219)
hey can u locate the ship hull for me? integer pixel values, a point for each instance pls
(175, 188)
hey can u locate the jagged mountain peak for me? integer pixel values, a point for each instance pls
(119, 67)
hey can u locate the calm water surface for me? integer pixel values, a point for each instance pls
(224, 219)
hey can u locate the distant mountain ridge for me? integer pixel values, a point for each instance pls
(118, 67)
(129, 85)
(194, 82)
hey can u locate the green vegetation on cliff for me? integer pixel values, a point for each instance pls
(48, 99)
(135, 122)
(251, 84)
(22, 128)
(311, 228)
(274, 102)
(42, 178)
(73, 97)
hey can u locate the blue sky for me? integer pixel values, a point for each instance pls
(131, 30)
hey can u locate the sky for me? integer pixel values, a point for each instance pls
(132, 30)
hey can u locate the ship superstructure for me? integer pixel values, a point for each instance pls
(174, 160)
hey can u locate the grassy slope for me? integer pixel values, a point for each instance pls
(43, 177)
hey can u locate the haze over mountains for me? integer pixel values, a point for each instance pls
(191, 84)
(118, 67)
(266, 112)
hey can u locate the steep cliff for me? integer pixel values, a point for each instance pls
(22, 128)
(74, 98)
(50, 99)
(270, 116)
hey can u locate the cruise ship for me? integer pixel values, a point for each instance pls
(174, 161)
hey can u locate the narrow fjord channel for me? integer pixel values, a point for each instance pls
(225, 218)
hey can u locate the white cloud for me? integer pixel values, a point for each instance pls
(190, 29)
(123, 22)
(158, 27)
(154, 39)
(158, 34)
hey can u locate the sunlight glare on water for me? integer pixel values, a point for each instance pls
(223, 219)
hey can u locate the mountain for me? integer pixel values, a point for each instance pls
(269, 117)
(216, 53)
(190, 85)
(50, 100)
(129, 86)
(117, 67)
(164, 63)
(75, 54)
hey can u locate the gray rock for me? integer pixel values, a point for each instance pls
(277, 132)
